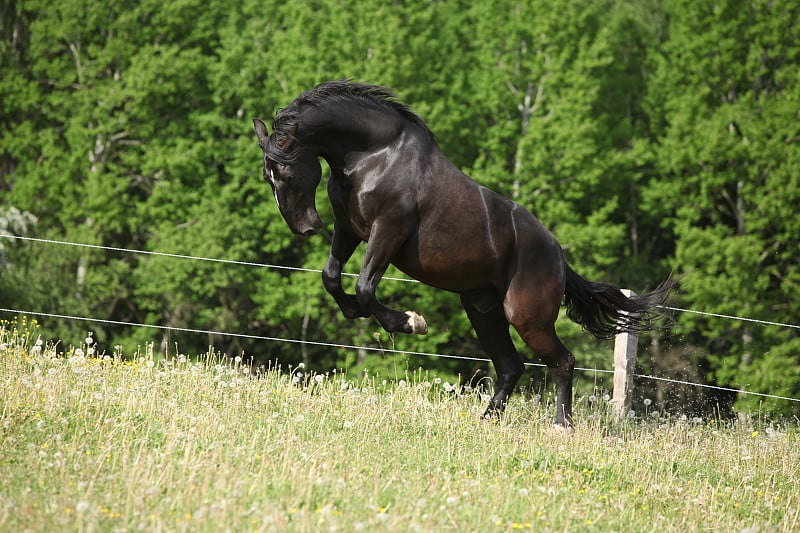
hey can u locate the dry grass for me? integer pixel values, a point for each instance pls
(88, 444)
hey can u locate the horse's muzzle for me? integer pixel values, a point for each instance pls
(308, 229)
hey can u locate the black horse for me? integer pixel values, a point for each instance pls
(391, 186)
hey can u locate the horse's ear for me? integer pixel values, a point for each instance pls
(261, 132)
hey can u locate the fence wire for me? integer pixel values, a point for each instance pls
(376, 349)
(347, 346)
(317, 271)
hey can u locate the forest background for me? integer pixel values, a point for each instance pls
(650, 136)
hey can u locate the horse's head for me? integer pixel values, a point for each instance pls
(294, 183)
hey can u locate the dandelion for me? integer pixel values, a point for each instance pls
(82, 506)
(647, 402)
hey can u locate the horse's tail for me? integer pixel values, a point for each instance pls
(603, 310)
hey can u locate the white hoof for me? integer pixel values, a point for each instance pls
(417, 323)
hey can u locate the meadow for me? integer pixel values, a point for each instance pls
(165, 442)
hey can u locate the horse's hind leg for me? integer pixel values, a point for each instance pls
(534, 316)
(549, 348)
(485, 312)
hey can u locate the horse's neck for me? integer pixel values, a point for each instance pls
(350, 128)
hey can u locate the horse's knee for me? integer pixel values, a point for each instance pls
(330, 282)
(365, 293)
(331, 276)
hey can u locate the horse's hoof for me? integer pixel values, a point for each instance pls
(417, 323)
(558, 429)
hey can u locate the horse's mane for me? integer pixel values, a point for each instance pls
(281, 146)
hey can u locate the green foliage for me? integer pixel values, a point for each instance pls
(648, 136)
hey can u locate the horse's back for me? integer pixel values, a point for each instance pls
(471, 237)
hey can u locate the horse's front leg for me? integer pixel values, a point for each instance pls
(381, 247)
(342, 248)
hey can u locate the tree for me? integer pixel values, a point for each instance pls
(725, 93)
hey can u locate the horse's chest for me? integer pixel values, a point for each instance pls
(346, 209)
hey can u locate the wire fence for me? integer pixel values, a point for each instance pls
(348, 346)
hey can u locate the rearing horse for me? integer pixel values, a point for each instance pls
(391, 186)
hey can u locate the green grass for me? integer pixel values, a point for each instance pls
(89, 444)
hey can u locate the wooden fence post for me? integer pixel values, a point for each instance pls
(625, 345)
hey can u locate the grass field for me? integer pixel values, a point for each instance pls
(164, 443)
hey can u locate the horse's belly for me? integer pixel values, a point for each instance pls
(450, 269)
